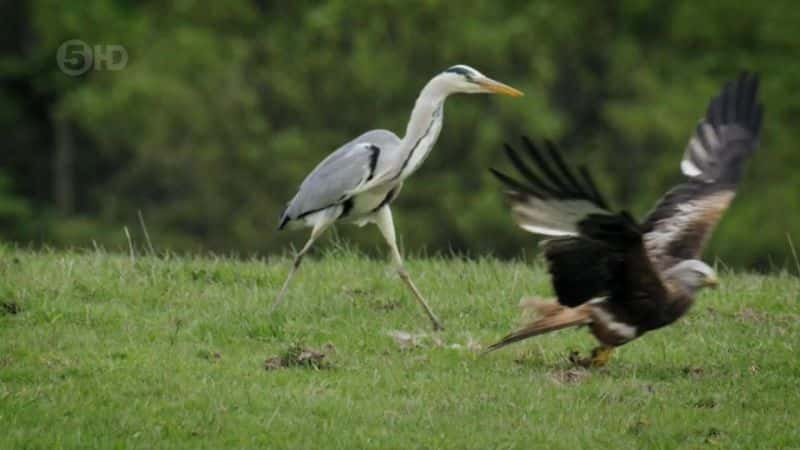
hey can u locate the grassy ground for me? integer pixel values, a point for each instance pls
(100, 351)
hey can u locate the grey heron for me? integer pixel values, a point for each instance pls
(358, 182)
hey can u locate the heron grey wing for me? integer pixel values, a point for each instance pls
(386, 162)
(341, 175)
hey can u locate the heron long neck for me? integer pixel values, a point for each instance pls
(423, 127)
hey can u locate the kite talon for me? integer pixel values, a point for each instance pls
(601, 356)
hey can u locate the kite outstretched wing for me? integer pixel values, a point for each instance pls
(682, 221)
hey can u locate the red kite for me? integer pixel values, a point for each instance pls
(619, 277)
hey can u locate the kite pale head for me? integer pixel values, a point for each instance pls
(693, 275)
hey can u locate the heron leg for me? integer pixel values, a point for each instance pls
(315, 233)
(386, 225)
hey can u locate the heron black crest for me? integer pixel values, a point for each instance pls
(460, 70)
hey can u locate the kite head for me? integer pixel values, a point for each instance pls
(693, 274)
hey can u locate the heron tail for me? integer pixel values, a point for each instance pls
(284, 219)
(551, 317)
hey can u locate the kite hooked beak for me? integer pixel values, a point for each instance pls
(711, 281)
(495, 87)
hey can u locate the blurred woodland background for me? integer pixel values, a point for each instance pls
(224, 106)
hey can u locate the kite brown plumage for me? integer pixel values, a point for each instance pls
(616, 276)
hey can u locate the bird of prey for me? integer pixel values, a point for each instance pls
(619, 277)
(357, 182)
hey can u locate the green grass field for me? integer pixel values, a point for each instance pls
(98, 350)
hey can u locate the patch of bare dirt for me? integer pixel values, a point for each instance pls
(387, 305)
(298, 355)
(409, 341)
(754, 316)
(705, 403)
(572, 375)
(10, 308)
(714, 436)
(210, 355)
(694, 371)
(406, 340)
(639, 427)
(751, 315)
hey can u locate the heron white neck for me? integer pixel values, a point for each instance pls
(429, 101)
(423, 126)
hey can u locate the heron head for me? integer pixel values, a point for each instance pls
(693, 274)
(465, 79)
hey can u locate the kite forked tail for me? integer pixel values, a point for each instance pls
(552, 317)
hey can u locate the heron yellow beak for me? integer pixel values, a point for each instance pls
(711, 282)
(496, 87)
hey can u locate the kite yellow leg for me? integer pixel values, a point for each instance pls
(600, 356)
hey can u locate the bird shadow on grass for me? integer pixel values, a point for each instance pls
(562, 371)
(567, 369)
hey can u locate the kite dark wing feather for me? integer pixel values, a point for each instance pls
(580, 269)
(549, 201)
(639, 295)
(682, 222)
(591, 245)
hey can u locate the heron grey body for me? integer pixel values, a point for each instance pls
(354, 181)
(357, 182)
(342, 185)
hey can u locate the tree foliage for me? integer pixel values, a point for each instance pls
(223, 107)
